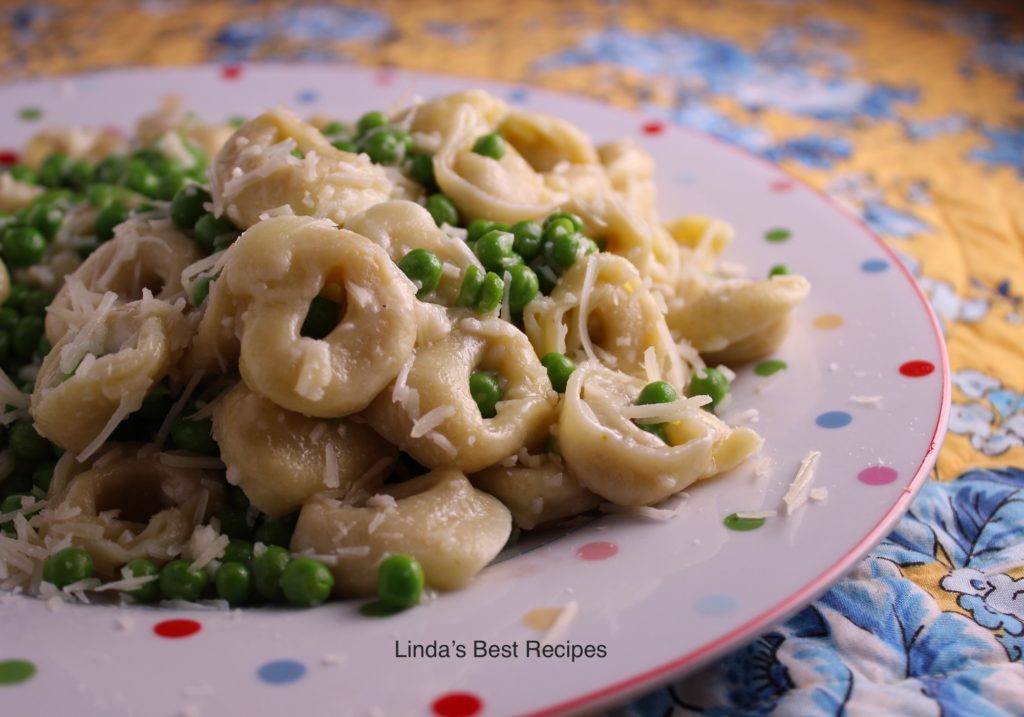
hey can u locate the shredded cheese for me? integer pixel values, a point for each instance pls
(796, 494)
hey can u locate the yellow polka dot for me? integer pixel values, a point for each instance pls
(828, 321)
(542, 618)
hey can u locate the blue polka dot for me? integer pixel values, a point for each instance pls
(517, 95)
(282, 672)
(307, 96)
(873, 266)
(685, 178)
(834, 419)
(715, 604)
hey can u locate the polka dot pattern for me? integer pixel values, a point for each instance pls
(770, 367)
(30, 114)
(781, 185)
(598, 550)
(457, 704)
(779, 234)
(654, 127)
(541, 618)
(827, 322)
(176, 629)
(877, 475)
(231, 72)
(874, 266)
(716, 604)
(834, 419)
(14, 672)
(917, 369)
(281, 672)
(742, 525)
(8, 157)
(307, 96)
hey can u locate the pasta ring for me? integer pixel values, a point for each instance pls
(451, 528)
(537, 496)
(276, 269)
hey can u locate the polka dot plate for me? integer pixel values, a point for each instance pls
(572, 620)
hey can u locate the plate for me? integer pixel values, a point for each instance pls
(866, 383)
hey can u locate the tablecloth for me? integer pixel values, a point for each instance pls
(911, 113)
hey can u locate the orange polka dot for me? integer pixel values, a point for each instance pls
(828, 321)
(541, 618)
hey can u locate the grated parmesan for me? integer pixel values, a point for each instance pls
(430, 420)
(796, 494)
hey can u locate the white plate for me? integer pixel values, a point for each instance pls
(673, 594)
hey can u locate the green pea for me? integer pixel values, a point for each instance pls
(477, 228)
(657, 429)
(148, 156)
(423, 268)
(345, 145)
(421, 168)
(22, 173)
(5, 346)
(109, 217)
(779, 270)
(371, 120)
(490, 145)
(194, 436)
(386, 146)
(180, 581)
(157, 403)
(8, 316)
(170, 185)
(52, 171)
(67, 566)
(233, 582)
(711, 382)
(275, 531)
(485, 388)
(306, 582)
(141, 178)
(523, 287)
(469, 290)
(17, 295)
(79, 173)
(23, 246)
(561, 251)
(321, 318)
(209, 228)
(111, 169)
(234, 523)
(560, 227)
(236, 121)
(238, 551)
(267, 569)
(10, 504)
(560, 368)
(297, 153)
(494, 249)
(142, 568)
(43, 475)
(656, 392)
(200, 290)
(43, 347)
(527, 239)
(237, 497)
(26, 443)
(100, 195)
(491, 293)
(557, 217)
(187, 205)
(224, 241)
(46, 216)
(551, 445)
(400, 581)
(19, 482)
(334, 127)
(442, 210)
(36, 301)
(26, 335)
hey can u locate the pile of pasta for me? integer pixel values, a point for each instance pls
(322, 426)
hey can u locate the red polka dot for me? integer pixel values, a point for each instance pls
(113, 130)
(916, 369)
(457, 704)
(654, 127)
(173, 629)
(781, 185)
(600, 550)
(877, 475)
(8, 156)
(231, 72)
(384, 77)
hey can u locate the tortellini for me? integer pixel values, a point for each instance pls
(537, 495)
(451, 528)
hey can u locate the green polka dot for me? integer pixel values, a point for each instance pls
(30, 114)
(767, 368)
(734, 522)
(778, 234)
(378, 608)
(13, 672)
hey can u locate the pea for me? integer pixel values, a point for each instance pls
(23, 246)
(523, 287)
(233, 582)
(491, 293)
(421, 168)
(477, 228)
(297, 153)
(490, 145)
(657, 429)
(560, 227)
(321, 318)
(561, 251)
(52, 171)
(156, 404)
(385, 146)
(142, 568)
(486, 391)
(26, 335)
(8, 316)
(371, 120)
(19, 482)
(16, 296)
(711, 382)
(46, 216)
(306, 582)
(779, 270)
(111, 169)
(577, 223)
(334, 127)
(560, 368)
(238, 551)
(79, 173)
(494, 249)
(36, 301)
(200, 290)
(400, 581)
(187, 205)
(237, 497)
(5, 346)
(170, 185)
(10, 504)
(527, 239)
(345, 145)
(224, 241)
(275, 531)
(180, 581)
(423, 268)
(209, 228)
(267, 569)
(67, 566)
(43, 475)
(194, 436)
(656, 392)
(472, 284)
(109, 217)
(234, 523)
(26, 443)
(442, 210)
(43, 347)
(100, 195)
(22, 173)
(141, 178)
